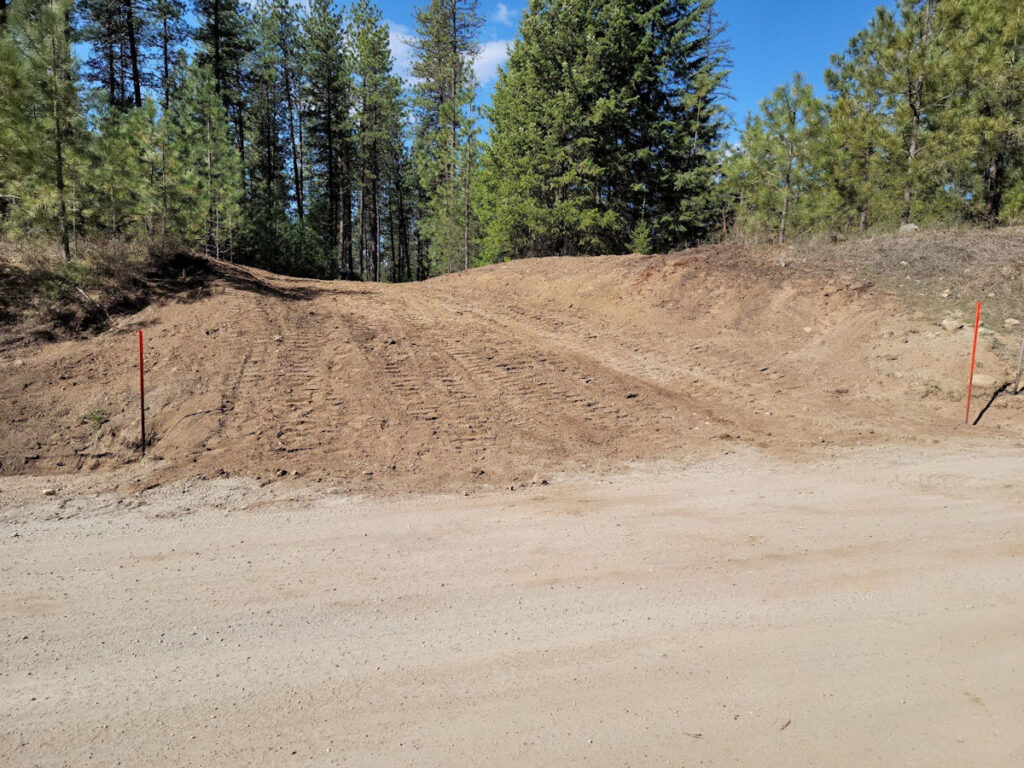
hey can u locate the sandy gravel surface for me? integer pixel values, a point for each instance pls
(865, 607)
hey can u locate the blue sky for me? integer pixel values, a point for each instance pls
(771, 40)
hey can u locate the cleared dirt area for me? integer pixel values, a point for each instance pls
(699, 509)
(488, 377)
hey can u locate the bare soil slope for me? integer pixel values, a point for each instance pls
(491, 376)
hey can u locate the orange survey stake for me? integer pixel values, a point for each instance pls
(142, 395)
(974, 352)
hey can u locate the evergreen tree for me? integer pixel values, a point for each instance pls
(224, 34)
(202, 188)
(779, 172)
(268, 236)
(40, 118)
(860, 136)
(171, 32)
(328, 104)
(606, 129)
(122, 198)
(378, 109)
(286, 37)
(118, 32)
(988, 49)
(444, 50)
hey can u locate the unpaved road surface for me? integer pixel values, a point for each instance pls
(861, 607)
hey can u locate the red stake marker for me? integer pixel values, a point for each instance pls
(974, 353)
(142, 395)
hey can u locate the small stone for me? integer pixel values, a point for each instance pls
(1011, 322)
(945, 293)
(909, 229)
(808, 329)
(984, 380)
(18, 363)
(951, 324)
(49, 492)
(279, 338)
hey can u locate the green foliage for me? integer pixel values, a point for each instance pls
(606, 121)
(925, 123)
(120, 199)
(41, 125)
(444, 144)
(202, 170)
(779, 171)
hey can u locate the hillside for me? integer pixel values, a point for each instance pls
(492, 376)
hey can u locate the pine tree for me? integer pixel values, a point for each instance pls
(286, 37)
(778, 173)
(171, 32)
(40, 117)
(988, 51)
(378, 109)
(859, 134)
(606, 129)
(445, 47)
(328, 104)
(224, 34)
(203, 191)
(118, 32)
(268, 236)
(123, 197)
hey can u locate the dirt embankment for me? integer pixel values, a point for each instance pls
(490, 376)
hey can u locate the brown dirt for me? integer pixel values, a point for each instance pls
(488, 377)
(749, 526)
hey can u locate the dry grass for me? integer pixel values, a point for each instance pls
(44, 297)
(941, 273)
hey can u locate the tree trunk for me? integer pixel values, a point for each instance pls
(374, 217)
(133, 50)
(165, 53)
(346, 222)
(994, 189)
(915, 127)
(209, 182)
(394, 245)
(111, 76)
(917, 105)
(58, 136)
(218, 70)
(362, 232)
(403, 234)
(465, 221)
(296, 149)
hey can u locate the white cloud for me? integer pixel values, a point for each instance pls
(399, 38)
(503, 15)
(492, 55)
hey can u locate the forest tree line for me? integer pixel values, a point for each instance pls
(923, 123)
(282, 136)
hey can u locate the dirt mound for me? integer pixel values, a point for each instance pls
(493, 375)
